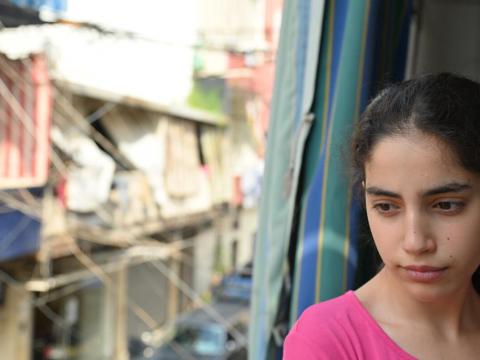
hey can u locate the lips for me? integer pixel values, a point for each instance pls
(423, 273)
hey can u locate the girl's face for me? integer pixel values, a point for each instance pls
(424, 213)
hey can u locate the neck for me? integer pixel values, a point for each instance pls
(446, 315)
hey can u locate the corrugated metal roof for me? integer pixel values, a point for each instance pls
(94, 65)
(182, 112)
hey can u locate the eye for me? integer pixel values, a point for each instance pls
(386, 208)
(449, 206)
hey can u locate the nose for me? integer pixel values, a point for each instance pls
(417, 236)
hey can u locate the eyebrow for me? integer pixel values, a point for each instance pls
(373, 190)
(448, 188)
(453, 187)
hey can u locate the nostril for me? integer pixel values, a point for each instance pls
(417, 244)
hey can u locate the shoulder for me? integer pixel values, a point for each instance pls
(326, 328)
(323, 314)
(340, 328)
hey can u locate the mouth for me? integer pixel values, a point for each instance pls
(423, 273)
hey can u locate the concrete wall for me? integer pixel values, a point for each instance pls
(102, 319)
(16, 325)
(148, 289)
(447, 38)
(239, 227)
(232, 239)
(203, 259)
(94, 324)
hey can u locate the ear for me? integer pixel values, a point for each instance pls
(363, 184)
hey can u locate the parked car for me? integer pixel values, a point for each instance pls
(199, 335)
(236, 286)
(139, 349)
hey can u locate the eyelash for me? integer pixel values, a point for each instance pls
(455, 207)
(455, 204)
(378, 208)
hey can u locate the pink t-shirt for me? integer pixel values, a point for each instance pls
(340, 328)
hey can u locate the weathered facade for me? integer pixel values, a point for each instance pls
(138, 200)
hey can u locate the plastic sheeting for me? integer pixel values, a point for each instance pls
(166, 150)
(90, 177)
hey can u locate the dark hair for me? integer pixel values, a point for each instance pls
(444, 105)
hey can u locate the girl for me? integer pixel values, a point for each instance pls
(416, 156)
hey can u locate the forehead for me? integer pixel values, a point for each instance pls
(414, 160)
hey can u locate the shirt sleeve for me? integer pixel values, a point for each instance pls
(311, 341)
(323, 345)
(297, 347)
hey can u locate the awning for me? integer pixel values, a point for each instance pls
(182, 112)
(20, 232)
(114, 68)
(26, 111)
(307, 245)
(291, 120)
(364, 45)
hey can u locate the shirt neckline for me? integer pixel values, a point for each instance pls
(364, 312)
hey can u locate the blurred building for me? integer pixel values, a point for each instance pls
(24, 151)
(131, 162)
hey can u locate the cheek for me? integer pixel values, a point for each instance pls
(461, 242)
(385, 235)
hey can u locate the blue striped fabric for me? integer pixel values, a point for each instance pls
(326, 252)
(308, 226)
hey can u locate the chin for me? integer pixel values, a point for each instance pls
(429, 293)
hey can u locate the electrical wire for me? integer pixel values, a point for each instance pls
(85, 259)
(56, 319)
(137, 310)
(188, 291)
(7, 199)
(107, 281)
(21, 114)
(99, 272)
(86, 128)
(18, 286)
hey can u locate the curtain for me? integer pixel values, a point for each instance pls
(333, 56)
